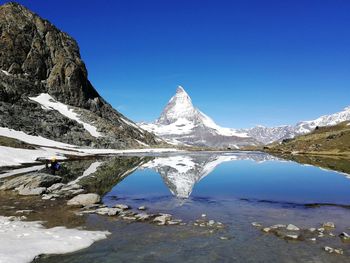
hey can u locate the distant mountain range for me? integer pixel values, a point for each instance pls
(267, 135)
(326, 140)
(181, 122)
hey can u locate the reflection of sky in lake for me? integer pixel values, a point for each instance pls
(235, 176)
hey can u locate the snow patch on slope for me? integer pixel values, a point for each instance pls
(21, 242)
(16, 156)
(49, 103)
(35, 140)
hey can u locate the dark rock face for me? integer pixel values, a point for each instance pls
(36, 57)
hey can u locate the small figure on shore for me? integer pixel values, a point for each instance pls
(54, 165)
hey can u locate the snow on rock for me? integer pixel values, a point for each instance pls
(142, 143)
(21, 242)
(6, 72)
(22, 170)
(49, 103)
(131, 124)
(129, 151)
(17, 156)
(36, 140)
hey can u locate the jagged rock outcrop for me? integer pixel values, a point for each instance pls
(35, 58)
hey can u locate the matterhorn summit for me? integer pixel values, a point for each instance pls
(181, 122)
(179, 107)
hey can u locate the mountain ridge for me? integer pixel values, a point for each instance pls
(267, 135)
(37, 58)
(181, 122)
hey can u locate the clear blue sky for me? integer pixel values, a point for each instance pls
(243, 62)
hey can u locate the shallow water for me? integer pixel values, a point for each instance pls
(233, 188)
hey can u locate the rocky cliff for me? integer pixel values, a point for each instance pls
(37, 58)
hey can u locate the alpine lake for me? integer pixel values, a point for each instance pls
(232, 206)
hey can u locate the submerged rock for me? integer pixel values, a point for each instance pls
(84, 200)
(278, 226)
(256, 224)
(333, 250)
(142, 208)
(266, 229)
(345, 237)
(142, 217)
(162, 219)
(122, 206)
(174, 222)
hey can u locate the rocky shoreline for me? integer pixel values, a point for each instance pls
(292, 232)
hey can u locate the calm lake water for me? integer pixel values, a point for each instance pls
(233, 188)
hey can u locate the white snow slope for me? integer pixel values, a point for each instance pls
(49, 103)
(36, 140)
(21, 242)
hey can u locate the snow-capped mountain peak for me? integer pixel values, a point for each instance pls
(179, 106)
(182, 121)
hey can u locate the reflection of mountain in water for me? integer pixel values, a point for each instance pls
(182, 172)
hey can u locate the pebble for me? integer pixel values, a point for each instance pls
(142, 216)
(224, 238)
(142, 208)
(292, 227)
(174, 222)
(333, 250)
(256, 224)
(211, 222)
(204, 215)
(321, 229)
(277, 226)
(266, 229)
